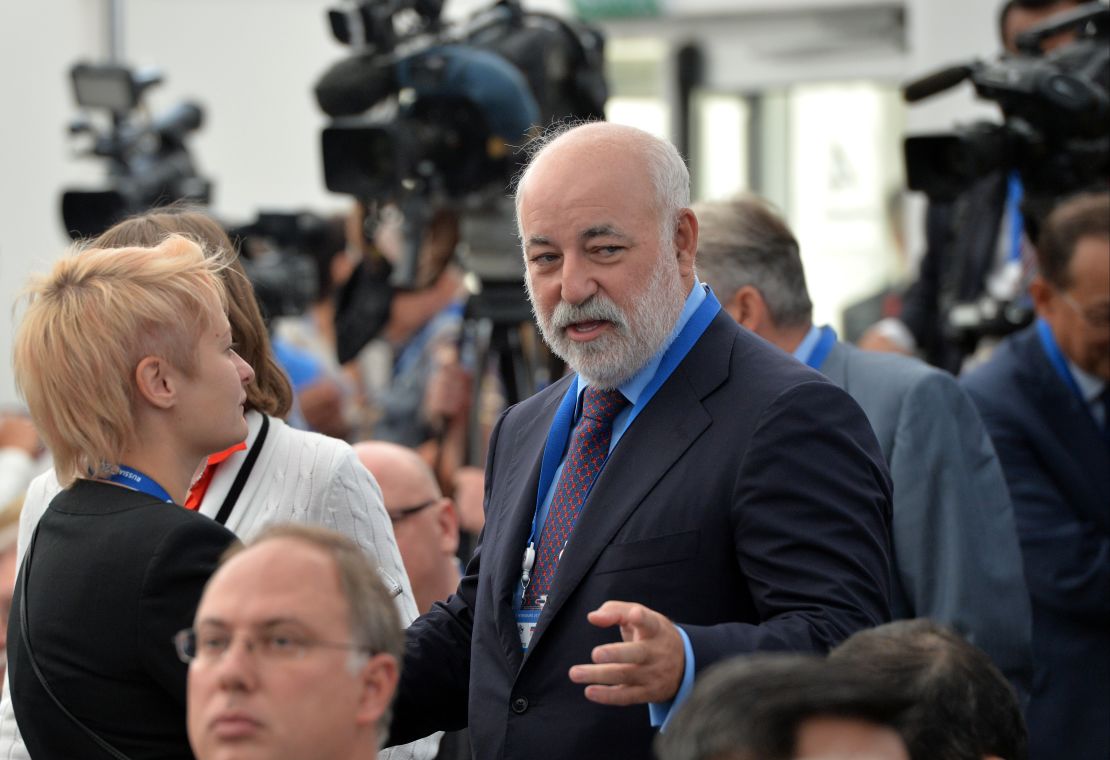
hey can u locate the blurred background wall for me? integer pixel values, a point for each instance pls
(795, 99)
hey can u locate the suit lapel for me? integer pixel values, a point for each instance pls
(1070, 421)
(660, 434)
(521, 478)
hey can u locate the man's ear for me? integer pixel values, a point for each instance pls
(1043, 295)
(686, 243)
(378, 678)
(156, 382)
(749, 309)
(447, 520)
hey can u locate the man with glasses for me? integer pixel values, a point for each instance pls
(294, 652)
(1043, 396)
(425, 521)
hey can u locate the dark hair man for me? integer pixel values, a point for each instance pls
(1043, 397)
(956, 551)
(961, 708)
(688, 495)
(294, 651)
(781, 707)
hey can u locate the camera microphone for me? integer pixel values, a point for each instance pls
(938, 81)
(353, 85)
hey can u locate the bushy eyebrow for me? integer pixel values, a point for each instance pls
(602, 230)
(590, 233)
(265, 624)
(535, 240)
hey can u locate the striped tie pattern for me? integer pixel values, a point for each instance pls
(589, 447)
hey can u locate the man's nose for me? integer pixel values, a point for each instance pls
(578, 279)
(237, 668)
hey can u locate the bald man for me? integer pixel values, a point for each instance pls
(425, 521)
(688, 494)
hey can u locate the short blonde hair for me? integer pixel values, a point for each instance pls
(88, 324)
(268, 391)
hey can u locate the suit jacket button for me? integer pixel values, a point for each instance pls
(520, 705)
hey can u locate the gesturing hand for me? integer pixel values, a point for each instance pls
(645, 666)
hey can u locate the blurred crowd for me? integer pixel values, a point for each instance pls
(720, 532)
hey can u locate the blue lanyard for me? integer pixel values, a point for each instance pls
(137, 481)
(1014, 193)
(561, 425)
(821, 351)
(1060, 364)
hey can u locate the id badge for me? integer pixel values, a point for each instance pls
(526, 619)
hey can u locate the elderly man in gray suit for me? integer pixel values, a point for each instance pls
(955, 543)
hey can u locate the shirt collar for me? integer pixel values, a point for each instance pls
(809, 342)
(1090, 386)
(635, 385)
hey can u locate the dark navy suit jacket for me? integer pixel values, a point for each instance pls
(1057, 466)
(748, 501)
(114, 575)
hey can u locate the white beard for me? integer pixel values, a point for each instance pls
(611, 359)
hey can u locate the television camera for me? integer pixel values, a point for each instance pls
(148, 160)
(1055, 135)
(428, 116)
(1056, 115)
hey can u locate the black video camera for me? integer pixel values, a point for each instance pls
(1056, 111)
(287, 256)
(434, 116)
(431, 117)
(148, 162)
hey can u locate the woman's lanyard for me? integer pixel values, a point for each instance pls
(129, 477)
(1060, 364)
(561, 425)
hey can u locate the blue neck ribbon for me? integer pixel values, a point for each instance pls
(1060, 365)
(131, 478)
(1014, 193)
(821, 351)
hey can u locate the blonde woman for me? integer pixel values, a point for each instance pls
(126, 361)
(275, 473)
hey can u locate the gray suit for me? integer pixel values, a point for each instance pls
(955, 543)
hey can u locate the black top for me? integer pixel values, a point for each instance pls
(114, 575)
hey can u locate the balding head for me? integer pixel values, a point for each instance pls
(425, 522)
(399, 470)
(665, 169)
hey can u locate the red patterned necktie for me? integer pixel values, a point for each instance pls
(589, 446)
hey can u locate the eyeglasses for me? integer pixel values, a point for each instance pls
(210, 646)
(398, 515)
(1097, 316)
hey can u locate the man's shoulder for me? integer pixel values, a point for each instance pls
(1018, 355)
(752, 361)
(892, 374)
(542, 398)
